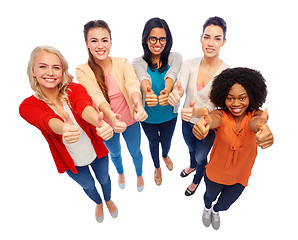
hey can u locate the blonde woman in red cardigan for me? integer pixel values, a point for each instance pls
(74, 130)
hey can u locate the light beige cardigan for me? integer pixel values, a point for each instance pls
(122, 72)
(188, 77)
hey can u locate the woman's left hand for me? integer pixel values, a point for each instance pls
(264, 137)
(140, 114)
(163, 98)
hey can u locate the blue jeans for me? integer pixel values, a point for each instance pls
(100, 167)
(198, 149)
(132, 137)
(228, 194)
(159, 133)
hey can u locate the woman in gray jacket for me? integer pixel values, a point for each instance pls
(157, 72)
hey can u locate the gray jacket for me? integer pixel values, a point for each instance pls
(140, 67)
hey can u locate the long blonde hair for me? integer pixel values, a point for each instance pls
(66, 77)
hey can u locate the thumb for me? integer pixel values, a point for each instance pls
(205, 111)
(264, 115)
(100, 119)
(178, 85)
(118, 116)
(192, 103)
(164, 91)
(136, 104)
(263, 119)
(148, 88)
(67, 118)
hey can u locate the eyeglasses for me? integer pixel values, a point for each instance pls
(153, 40)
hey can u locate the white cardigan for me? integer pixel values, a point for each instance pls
(188, 78)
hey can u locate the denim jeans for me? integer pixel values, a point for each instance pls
(159, 133)
(198, 149)
(132, 137)
(100, 167)
(228, 194)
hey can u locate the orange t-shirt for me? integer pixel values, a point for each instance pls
(233, 153)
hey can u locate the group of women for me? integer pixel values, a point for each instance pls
(82, 122)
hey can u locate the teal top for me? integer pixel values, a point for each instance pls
(158, 114)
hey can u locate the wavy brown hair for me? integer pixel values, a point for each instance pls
(97, 69)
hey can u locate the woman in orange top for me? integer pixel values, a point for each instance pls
(240, 127)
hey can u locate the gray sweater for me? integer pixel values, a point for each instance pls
(140, 67)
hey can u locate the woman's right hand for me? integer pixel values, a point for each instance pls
(187, 113)
(201, 128)
(176, 94)
(71, 132)
(150, 98)
(118, 125)
(104, 130)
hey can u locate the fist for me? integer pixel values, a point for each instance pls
(71, 132)
(264, 137)
(150, 97)
(104, 130)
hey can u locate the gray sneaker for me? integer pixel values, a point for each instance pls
(215, 219)
(206, 217)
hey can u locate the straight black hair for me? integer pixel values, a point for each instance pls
(157, 23)
(217, 21)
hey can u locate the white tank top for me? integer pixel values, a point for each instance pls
(82, 151)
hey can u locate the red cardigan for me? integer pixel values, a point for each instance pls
(39, 114)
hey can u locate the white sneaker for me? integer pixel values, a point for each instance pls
(215, 219)
(206, 217)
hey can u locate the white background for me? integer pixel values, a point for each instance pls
(38, 203)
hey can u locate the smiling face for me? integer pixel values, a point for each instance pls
(212, 40)
(48, 71)
(157, 48)
(237, 101)
(99, 43)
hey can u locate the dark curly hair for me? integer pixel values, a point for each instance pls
(251, 80)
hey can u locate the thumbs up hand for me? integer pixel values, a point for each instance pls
(163, 98)
(140, 114)
(176, 94)
(264, 137)
(201, 129)
(150, 97)
(104, 130)
(71, 132)
(187, 113)
(118, 125)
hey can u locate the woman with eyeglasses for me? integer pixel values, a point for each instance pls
(195, 81)
(157, 71)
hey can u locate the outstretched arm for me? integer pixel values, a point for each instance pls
(139, 113)
(104, 130)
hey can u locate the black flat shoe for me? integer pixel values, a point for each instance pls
(184, 174)
(189, 193)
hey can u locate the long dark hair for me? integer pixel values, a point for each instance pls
(157, 23)
(97, 69)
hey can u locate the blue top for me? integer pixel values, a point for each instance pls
(158, 114)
